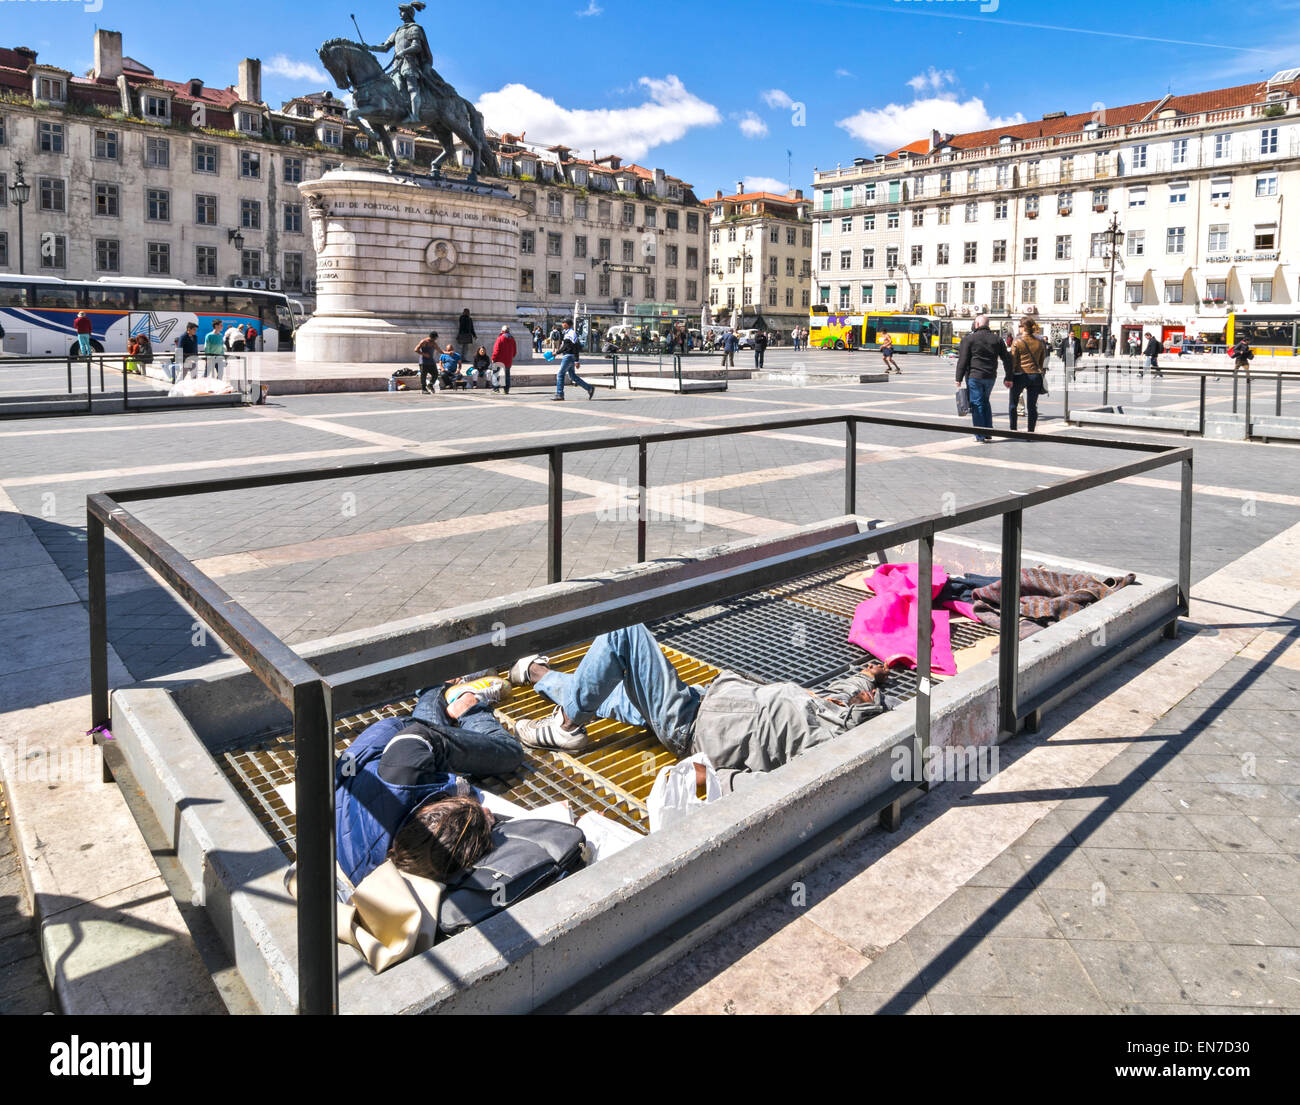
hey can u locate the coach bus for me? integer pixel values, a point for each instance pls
(910, 333)
(37, 312)
(1272, 335)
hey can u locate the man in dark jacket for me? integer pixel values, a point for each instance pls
(1152, 353)
(760, 348)
(729, 345)
(465, 335)
(189, 353)
(977, 366)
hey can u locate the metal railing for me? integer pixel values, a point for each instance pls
(1243, 382)
(667, 365)
(315, 699)
(12, 406)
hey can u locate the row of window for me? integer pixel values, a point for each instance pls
(774, 234)
(1140, 157)
(1220, 192)
(604, 285)
(715, 297)
(605, 211)
(206, 156)
(649, 250)
(1261, 291)
(51, 196)
(773, 266)
(53, 249)
(1265, 238)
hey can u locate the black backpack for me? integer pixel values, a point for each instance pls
(527, 855)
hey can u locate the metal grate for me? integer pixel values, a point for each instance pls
(795, 632)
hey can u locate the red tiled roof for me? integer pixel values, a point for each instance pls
(744, 196)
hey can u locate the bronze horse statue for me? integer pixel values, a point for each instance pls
(379, 105)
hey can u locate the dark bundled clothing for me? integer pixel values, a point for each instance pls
(1046, 596)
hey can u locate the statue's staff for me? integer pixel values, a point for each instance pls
(363, 41)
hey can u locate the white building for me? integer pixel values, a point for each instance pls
(759, 267)
(1018, 218)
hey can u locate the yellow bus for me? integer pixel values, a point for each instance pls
(1272, 335)
(911, 333)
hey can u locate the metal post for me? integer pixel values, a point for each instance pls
(1234, 390)
(101, 371)
(555, 516)
(90, 394)
(97, 585)
(642, 507)
(70, 374)
(1009, 629)
(1066, 376)
(126, 406)
(313, 747)
(1185, 539)
(1247, 404)
(1277, 398)
(924, 632)
(850, 465)
(1105, 387)
(1200, 428)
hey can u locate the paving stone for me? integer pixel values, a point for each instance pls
(1088, 915)
(1128, 971)
(1046, 976)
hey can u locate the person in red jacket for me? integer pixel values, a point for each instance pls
(82, 326)
(503, 353)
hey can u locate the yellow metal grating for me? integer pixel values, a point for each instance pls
(612, 776)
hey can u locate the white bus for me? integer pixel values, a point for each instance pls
(37, 313)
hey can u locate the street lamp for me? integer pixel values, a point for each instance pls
(237, 238)
(1113, 237)
(19, 193)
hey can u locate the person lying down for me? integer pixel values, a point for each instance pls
(740, 725)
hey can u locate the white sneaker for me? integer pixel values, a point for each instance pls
(519, 669)
(550, 732)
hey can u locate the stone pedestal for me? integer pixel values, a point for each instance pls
(397, 257)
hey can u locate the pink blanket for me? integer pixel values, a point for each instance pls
(885, 623)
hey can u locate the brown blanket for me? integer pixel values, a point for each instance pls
(1046, 596)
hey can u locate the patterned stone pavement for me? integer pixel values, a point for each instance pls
(317, 559)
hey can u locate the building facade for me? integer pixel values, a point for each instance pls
(760, 272)
(1190, 188)
(132, 175)
(615, 239)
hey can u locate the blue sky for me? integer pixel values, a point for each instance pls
(761, 91)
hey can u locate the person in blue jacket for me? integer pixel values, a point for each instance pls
(400, 789)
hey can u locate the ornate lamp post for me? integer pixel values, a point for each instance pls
(19, 193)
(1114, 235)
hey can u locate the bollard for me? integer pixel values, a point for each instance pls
(1105, 386)
(1277, 398)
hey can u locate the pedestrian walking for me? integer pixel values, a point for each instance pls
(570, 358)
(760, 348)
(977, 367)
(1152, 353)
(427, 351)
(887, 352)
(503, 354)
(1025, 374)
(465, 334)
(188, 352)
(730, 343)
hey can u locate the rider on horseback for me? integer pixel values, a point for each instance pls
(412, 59)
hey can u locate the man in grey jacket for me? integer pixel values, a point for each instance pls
(740, 725)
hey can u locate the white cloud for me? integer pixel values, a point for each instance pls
(668, 113)
(765, 184)
(896, 125)
(843, 73)
(774, 97)
(283, 66)
(751, 126)
(932, 80)
(592, 9)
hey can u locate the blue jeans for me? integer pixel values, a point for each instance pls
(567, 369)
(981, 410)
(83, 342)
(476, 744)
(627, 673)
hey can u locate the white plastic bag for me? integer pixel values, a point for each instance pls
(674, 796)
(605, 836)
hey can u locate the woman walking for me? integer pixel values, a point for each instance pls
(1028, 356)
